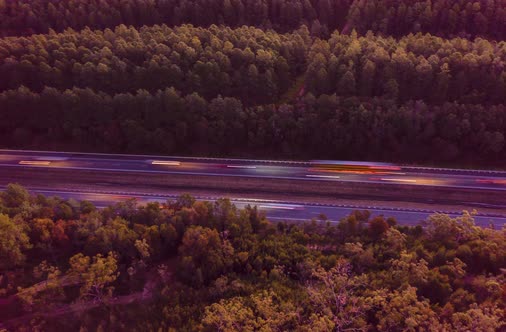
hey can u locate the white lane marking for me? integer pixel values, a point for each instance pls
(53, 158)
(279, 207)
(323, 176)
(398, 180)
(296, 219)
(440, 170)
(239, 166)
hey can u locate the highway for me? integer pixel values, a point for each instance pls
(314, 171)
(294, 170)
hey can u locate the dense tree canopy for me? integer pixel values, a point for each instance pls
(223, 91)
(411, 68)
(256, 66)
(440, 17)
(27, 17)
(248, 63)
(448, 18)
(188, 265)
(325, 127)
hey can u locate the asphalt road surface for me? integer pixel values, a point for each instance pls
(296, 170)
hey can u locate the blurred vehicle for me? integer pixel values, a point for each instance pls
(35, 162)
(395, 180)
(166, 162)
(356, 167)
(492, 181)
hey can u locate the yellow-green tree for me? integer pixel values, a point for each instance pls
(96, 275)
(13, 242)
(265, 311)
(204, 255)
(334, 298)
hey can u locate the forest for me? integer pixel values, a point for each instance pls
(405, 81)
(445, 18)
(257, 66)
(223, 91)
(329, 126)
(186, 265)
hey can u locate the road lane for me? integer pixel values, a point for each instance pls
(57, 154)
(279, 210)
(416, 176)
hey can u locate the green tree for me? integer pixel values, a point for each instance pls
(479, 318)
(13, 242)
(265, 311)
(45, 294)
(95, 274)
(401, 310)
(347, 84)
(203, 255)
(334, 298)
(14, 196)
(115, 235)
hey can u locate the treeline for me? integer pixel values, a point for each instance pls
(39, 16)
(414, 67)
(447, 18)
(327, 126)
(257, 67)
(247, 63)
(188, 265)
